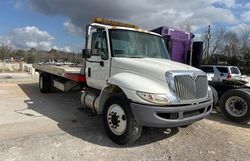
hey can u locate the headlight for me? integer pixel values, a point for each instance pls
(210, 92)
(160, 99)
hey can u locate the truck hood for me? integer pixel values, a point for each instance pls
(153, 67)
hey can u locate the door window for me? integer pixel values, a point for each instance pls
(208, 69)
(99, 44)
(222, 69)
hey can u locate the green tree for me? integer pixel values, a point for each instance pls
(52, 52)
(30, 58)
(20, 54)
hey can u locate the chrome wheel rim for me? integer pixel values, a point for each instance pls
(236, 106)
(117, 120)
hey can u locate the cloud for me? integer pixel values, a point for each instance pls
(30, 37)
(72, 29)
(247, 5)
(226, 3)
(212, 13)
(148, 14)
(245, 17)
(241, 27)
(65, 48)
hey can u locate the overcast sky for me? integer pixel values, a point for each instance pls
(59, 24)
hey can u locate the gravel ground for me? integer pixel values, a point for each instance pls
(42, 127)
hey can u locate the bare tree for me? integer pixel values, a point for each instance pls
(231, 48)
(5, 51)
(234, 45)
(216, 41)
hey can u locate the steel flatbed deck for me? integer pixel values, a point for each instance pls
(66, 71)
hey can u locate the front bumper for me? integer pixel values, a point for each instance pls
(170, 116)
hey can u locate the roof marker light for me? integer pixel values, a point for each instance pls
(112, 23)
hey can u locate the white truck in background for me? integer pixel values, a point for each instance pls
(129, 79)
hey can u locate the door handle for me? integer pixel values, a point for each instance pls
(101, 63)
(89, 72)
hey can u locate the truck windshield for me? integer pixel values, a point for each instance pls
(125, 43)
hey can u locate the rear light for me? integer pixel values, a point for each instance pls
(229, 76)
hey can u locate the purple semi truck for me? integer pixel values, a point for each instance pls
(181, 46)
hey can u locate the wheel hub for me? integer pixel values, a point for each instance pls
(114, 119)
(236, 106)
(117, 119)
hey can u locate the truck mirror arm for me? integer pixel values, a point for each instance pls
(86, 54)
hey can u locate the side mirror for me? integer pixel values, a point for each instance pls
(85, 53)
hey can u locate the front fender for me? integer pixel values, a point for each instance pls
(129, 83)
(136, 82)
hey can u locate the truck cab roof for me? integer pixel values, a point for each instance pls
(110, 24)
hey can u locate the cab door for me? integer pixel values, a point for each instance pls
(98, 63)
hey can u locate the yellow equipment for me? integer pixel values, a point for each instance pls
(112, 23)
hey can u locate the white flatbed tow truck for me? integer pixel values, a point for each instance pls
(128, 77)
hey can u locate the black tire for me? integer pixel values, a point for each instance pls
(185, 126)
(133, 128)
(240, 93)
(246, 89)
(215, 99)
(45, 83)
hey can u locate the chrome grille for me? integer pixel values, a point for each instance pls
(188, 88)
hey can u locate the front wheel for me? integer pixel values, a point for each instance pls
(119, 121)
(235, 105)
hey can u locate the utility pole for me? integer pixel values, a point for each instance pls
(208, 40)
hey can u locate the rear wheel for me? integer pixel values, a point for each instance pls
(235, 105)
(246, 89)
(119, 122)
(45, 83)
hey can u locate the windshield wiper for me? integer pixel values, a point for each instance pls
(130, 56)
(135, 57)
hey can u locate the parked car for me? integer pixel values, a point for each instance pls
(217, 73)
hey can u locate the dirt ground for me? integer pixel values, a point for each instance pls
(43, 127)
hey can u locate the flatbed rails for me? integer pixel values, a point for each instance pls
(70, 72)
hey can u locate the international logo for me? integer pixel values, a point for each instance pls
(193, 76)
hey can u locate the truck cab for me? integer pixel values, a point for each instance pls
(132, 82)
